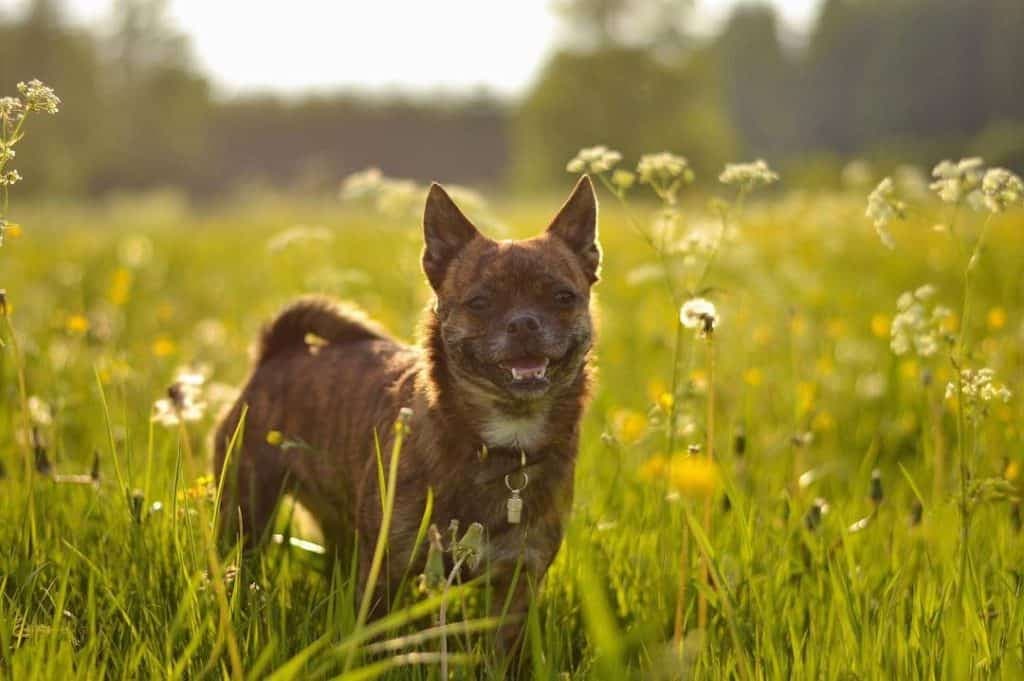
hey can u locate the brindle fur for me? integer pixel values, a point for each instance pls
(337, 398)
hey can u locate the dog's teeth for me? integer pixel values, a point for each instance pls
(531, 373)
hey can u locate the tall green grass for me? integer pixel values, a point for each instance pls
(112, 580)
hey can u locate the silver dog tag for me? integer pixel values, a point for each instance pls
(515, 508)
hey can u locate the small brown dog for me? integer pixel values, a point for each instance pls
(496, 388)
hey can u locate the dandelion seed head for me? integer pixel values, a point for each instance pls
(699, 314)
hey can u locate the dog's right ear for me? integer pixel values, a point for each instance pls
(445, 232)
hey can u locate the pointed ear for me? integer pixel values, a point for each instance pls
(576, 225)
(445, 232)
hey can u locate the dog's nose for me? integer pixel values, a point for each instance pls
(522, 324)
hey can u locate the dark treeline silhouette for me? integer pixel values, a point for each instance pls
(906, 80)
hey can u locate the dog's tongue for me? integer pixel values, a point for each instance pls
(527, 368)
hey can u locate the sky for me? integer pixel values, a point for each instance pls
(303, 46)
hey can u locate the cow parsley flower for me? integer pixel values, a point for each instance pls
(956, 182)
(1002, 189)
(699, 314)
(979, 390)
(11, 110)
(883, 208)
(596, 160)
(39, 97)
(917, 326)
(10, 178)
(748, 175)
(663, 168)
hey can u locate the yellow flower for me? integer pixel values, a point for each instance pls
(77, 324)
(653, 468)
(798, 326)
(121, 286)
(880, 326)
(805, 392)
(753, 377)
(835, 328)
(692, 475)
(762, 335)
(12, 230)
(699, 379)
(655, 389)
(824, 365)
(1012, 470)
(909, 369)
(823, 421)
(996, 318)
(630, 425)
(163, 347)
(274, 437)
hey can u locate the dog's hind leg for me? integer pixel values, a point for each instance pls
(252, 480)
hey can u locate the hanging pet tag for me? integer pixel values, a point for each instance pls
(514, 505)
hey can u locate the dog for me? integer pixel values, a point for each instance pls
(492, 395)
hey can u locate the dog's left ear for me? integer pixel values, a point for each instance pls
(576, 225)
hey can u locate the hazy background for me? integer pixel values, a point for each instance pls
(211, 97)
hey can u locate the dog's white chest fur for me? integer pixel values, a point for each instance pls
(506, 431)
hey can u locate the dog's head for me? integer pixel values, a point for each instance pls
(513, 316)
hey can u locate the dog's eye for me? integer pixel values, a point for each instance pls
(565, 298)
(478, 304)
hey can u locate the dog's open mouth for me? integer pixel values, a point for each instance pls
(527, 372)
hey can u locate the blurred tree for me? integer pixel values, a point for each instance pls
(60, 156)
(602, 24)
(759, 80)
(158, 124)
(626, 98)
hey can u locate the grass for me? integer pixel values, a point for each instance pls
(112, 580)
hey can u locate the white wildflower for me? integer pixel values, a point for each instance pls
(915, 326)
(856, 174)
(699, 314)
(663, 168)
(748, 175)
(1002, 189)
(956, 182)
(11, 110)
(10, 178)
(596, 160)
(883, 208)
(979, 390)
(39, 412)
(299, 235)
(363, 183)
(39, 97)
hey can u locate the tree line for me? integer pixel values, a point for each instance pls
(911, 80)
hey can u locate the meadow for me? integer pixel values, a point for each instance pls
(803, 486)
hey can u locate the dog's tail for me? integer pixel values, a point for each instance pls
(312, 318)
